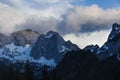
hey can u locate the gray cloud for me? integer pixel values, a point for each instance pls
(21, 15)
(63, 18)
(74, 21)
(41, 25)
(88, 19)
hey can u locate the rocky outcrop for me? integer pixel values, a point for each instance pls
(92, 48)
(112, 45)
(18, 58)
(23, 37)
(4, 40)
(51, 45)
(19, 38)
(48, 47)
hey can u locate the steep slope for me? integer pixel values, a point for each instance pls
(92, 48)
(4, 40)
(112, 45)
(25, 54)
(52, 46)
(28, 56)
(82, 65)
(18, 45)
(48, 49)
(92, 63)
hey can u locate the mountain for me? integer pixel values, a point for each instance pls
(27, 52)
(93, 62)
(92, 48)
(20, 38)
(18, 44)
(110, 48)
(83, 65)
(23, 37)
(112, 45)
(30, 45)
(4, 40)
(28, 55)
(52, 46)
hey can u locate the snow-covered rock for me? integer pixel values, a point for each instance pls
(48, 49)
(19, 53)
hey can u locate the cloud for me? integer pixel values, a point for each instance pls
(89, 19)
(44, 8)
(82, 40)
(66, 17)
(60, 16)
(9, 17)
(21, 13)
(47, 1)
(41, 25)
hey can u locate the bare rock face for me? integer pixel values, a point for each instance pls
(51, 46)
(4, 40)
(112, 45)
(20, 38)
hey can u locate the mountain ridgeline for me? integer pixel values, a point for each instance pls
(29, 55)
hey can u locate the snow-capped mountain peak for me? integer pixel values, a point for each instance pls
(48, 48)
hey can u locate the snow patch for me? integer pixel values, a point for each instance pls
(44, 61)
(116, 28)
(19, 53)
(13, 52)
(118, 57)
(48, 36)
(63, 49)
(111, 37)
(92, 50)
(105, 47)
(111, 54)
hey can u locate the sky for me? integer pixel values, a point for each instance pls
(84, 22)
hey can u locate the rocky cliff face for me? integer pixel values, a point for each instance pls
(92, 63)
(52, 58)
(23, 37)
(24, 54)
(112, 45)
(20, 38)
(26, 45)
(4, 40)
(52, 45)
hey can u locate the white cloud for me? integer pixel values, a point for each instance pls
(47, 1)
(52, 8)
(9, 17)
(90, 17)
(57, 1)
(88, 39)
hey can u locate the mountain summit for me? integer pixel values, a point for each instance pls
(30, 45)
(23, 37)
(112, 45)
(28, 52)
(52, 45)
